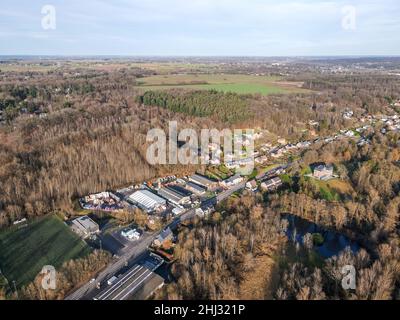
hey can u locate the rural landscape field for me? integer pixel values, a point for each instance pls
(237, 83)
(47, 241)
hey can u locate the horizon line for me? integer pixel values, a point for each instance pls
(199, 56)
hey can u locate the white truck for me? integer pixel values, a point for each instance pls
(112, 280)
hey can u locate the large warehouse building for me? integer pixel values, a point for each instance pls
(174, 197)
(203, 181)
(148, 201)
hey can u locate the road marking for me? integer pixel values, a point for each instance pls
(134, 288)
(119, 283)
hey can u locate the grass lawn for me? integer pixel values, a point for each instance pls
(241, 84)
(325, 190)
(268, 168)
(46, 241)
(286, 179)
(306, 170)
(340, 186)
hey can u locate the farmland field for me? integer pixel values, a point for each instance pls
(242, 84)
(47, 241)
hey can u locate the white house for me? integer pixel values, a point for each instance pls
(131, 234)
(232, 181)
(323, 172)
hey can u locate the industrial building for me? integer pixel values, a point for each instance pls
(196, 188)
(180, 189)
(203, 181)
(173, 196)
(84, 227)
(148, 201)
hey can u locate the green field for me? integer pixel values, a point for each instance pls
(326, 190)
(241, 84)
(46, 241)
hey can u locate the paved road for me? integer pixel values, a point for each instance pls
(127, 285)
(142, 246)
(226, 194)
(113, 268)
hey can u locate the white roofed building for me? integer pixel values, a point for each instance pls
(148, 201)
(232, 181)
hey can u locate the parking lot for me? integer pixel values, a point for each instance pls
(117, 244)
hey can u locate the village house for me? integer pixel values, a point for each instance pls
(162, 237)
(348, 115)
(349, 133)
(252, 185)
(232, 181)
(261, 160)
(271, 184)
(282, 141)
(323, 172)
(130, 234)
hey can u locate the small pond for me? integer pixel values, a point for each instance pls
(333, 243)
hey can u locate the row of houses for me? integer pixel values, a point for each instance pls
(235, 164)
(271, 184)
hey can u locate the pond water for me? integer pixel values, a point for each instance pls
(334, 242)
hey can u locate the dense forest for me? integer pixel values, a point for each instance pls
(226, 107)
(71, 131)
(215, 258)
(64, 137)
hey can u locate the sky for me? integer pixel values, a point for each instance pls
(200, 27)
